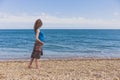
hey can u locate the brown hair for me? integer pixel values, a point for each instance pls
(38, 23)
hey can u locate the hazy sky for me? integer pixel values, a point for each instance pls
(60, 13)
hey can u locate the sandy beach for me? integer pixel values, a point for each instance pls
(72, 69)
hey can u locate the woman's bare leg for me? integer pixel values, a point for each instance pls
(31, 61)
(37, 63)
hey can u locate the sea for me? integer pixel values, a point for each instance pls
(61, 43)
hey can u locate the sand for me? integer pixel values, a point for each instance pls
(73, 69)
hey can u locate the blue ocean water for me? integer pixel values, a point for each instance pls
(61, 43)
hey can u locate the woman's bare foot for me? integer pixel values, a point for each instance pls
(29, 67)
(37, 67)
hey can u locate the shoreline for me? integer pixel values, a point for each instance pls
(58, 59)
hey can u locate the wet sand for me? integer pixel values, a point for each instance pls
(71, 69)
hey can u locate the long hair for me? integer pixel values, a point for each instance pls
(38, 23)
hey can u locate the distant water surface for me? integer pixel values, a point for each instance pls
(61, 43)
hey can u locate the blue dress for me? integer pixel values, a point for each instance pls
(41, 36)
(37, 50)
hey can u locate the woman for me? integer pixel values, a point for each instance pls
(37, 50)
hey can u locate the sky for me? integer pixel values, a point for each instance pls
(60, 14)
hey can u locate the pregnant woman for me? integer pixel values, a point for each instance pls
(37, 50)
